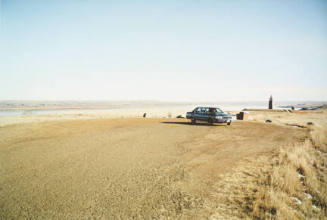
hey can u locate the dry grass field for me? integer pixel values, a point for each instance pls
(164, 168)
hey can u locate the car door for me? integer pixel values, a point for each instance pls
(202, 114)
(205, 115)
(198, 113)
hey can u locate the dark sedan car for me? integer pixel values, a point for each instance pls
(210, 115)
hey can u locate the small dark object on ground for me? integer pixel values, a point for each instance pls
(296, 125)
(268, 121)
(179, 116)
(144, 115)
(273, 211)
(242, 115)
(310, 123)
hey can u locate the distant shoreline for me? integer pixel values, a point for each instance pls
(90, 105)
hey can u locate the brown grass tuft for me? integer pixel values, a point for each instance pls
(290, 183)
(296, 186)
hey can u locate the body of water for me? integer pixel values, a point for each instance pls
(6, 113)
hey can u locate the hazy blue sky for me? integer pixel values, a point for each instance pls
(163, 50)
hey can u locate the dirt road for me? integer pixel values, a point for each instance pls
(123, 168)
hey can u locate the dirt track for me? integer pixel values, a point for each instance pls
(123, 167)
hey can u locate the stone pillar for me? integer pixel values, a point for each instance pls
(270, 103)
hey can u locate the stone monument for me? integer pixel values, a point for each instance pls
(270, 102)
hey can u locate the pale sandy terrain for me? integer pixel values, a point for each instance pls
(130, 167)
(78, 114)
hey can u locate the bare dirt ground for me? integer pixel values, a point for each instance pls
(126, 168)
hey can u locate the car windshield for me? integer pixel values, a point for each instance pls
(219, 110)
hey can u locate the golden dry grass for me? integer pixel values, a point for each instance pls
(296, 187)
(290, 183)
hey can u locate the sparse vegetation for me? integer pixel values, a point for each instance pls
(295, 188)
(288, 184)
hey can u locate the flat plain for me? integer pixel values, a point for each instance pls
(126, 168)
